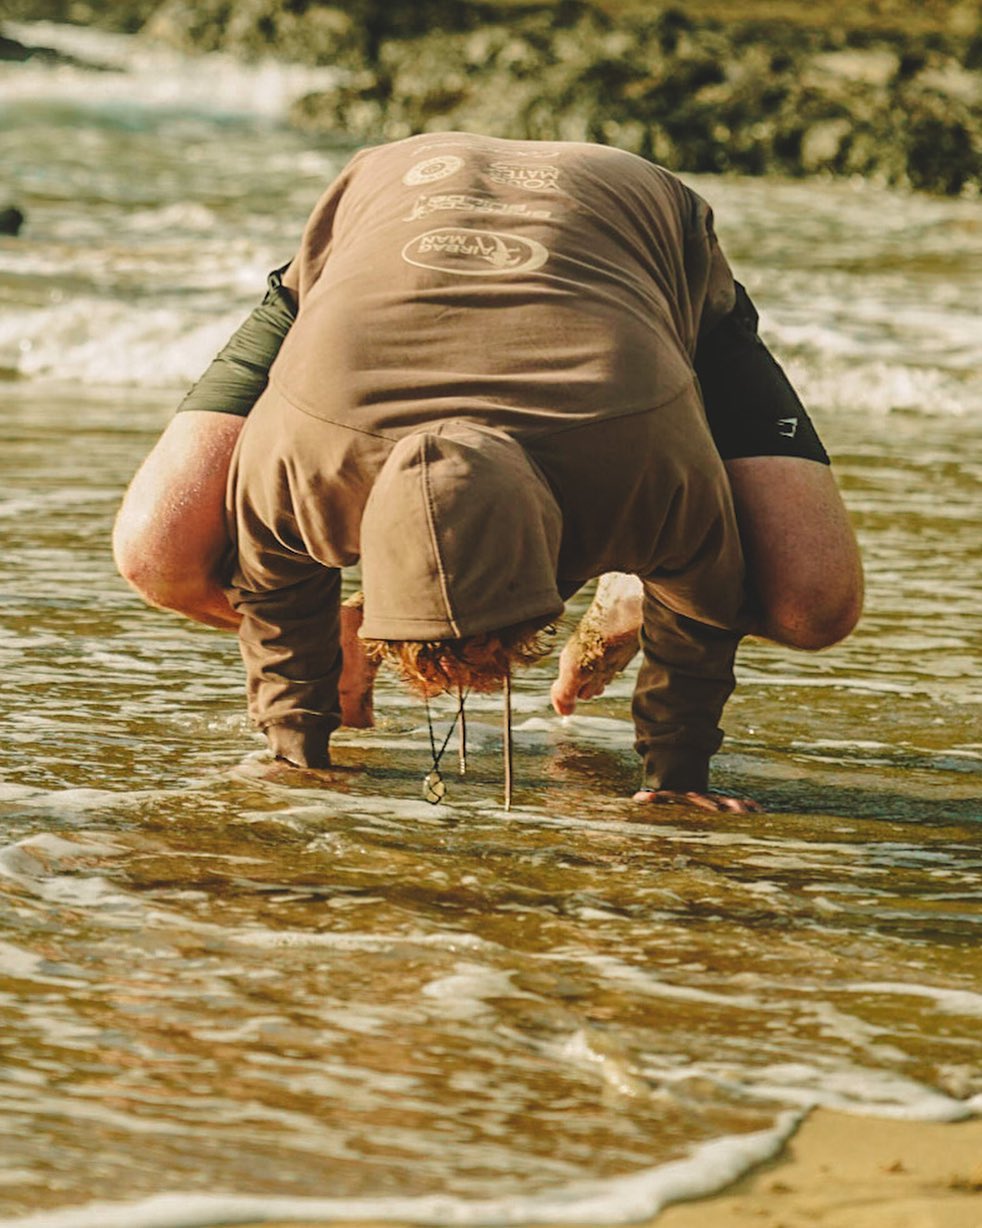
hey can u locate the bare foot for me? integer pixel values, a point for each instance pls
(358, 673)
(603, 645)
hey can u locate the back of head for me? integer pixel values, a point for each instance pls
(460, 537)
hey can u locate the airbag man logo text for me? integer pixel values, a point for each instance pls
(474, 253)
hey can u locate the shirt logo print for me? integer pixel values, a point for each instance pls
(474, 253)
(432, 169)
(460, 201)
(533, 177)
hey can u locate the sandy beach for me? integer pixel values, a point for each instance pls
(841, 1171)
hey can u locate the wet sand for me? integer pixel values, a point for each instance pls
(841, 1171)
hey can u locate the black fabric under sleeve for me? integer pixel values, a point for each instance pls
(240, 372)
(751, 406)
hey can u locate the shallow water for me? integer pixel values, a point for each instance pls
(212, 982)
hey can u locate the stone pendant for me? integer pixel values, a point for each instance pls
(433, 788)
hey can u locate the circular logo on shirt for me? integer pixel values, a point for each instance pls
(432, 169)
(474, 253)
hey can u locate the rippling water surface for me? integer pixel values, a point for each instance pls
(212, 982)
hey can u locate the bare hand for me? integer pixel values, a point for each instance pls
(701, 801)
(604, 643)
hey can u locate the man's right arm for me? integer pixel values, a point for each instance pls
(290, 642)
(170, 537)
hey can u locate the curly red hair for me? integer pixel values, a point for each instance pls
(474, 663)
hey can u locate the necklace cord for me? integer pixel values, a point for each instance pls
(433, 777)
(506, 737)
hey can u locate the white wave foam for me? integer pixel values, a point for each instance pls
(876, 686)
(861, 1091)
(112, 342)
(620, 972)
(344, 941)
(37, 863)
(10, 792)
(949, 1001)
(591, 1050)
(638, 1196)
(11, 509)
(78, 801)
(463, 993)
(149, 75)
(878, 388)
(16, 962)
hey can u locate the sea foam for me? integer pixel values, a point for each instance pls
(640, 1195)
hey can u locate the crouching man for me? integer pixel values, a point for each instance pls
(497, 370)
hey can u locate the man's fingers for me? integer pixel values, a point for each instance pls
(592, 688)
(562, 705)
(743, 805)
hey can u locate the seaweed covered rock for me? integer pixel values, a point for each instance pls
(698, 96)
(878, 89)
(126, 16)
(300, 31)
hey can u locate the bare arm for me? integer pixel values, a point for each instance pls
(170, 539)
(804, 564)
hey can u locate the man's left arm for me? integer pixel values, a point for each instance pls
(695, 610)
(685, 679)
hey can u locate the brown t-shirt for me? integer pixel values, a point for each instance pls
(551, 292)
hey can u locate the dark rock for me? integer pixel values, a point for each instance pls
(11, 220)
(12, 50)
(941, 153)
(696, 95)
(126, 16)
(911, 63)
(16, 52)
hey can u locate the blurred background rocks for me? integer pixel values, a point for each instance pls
(886, 89)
